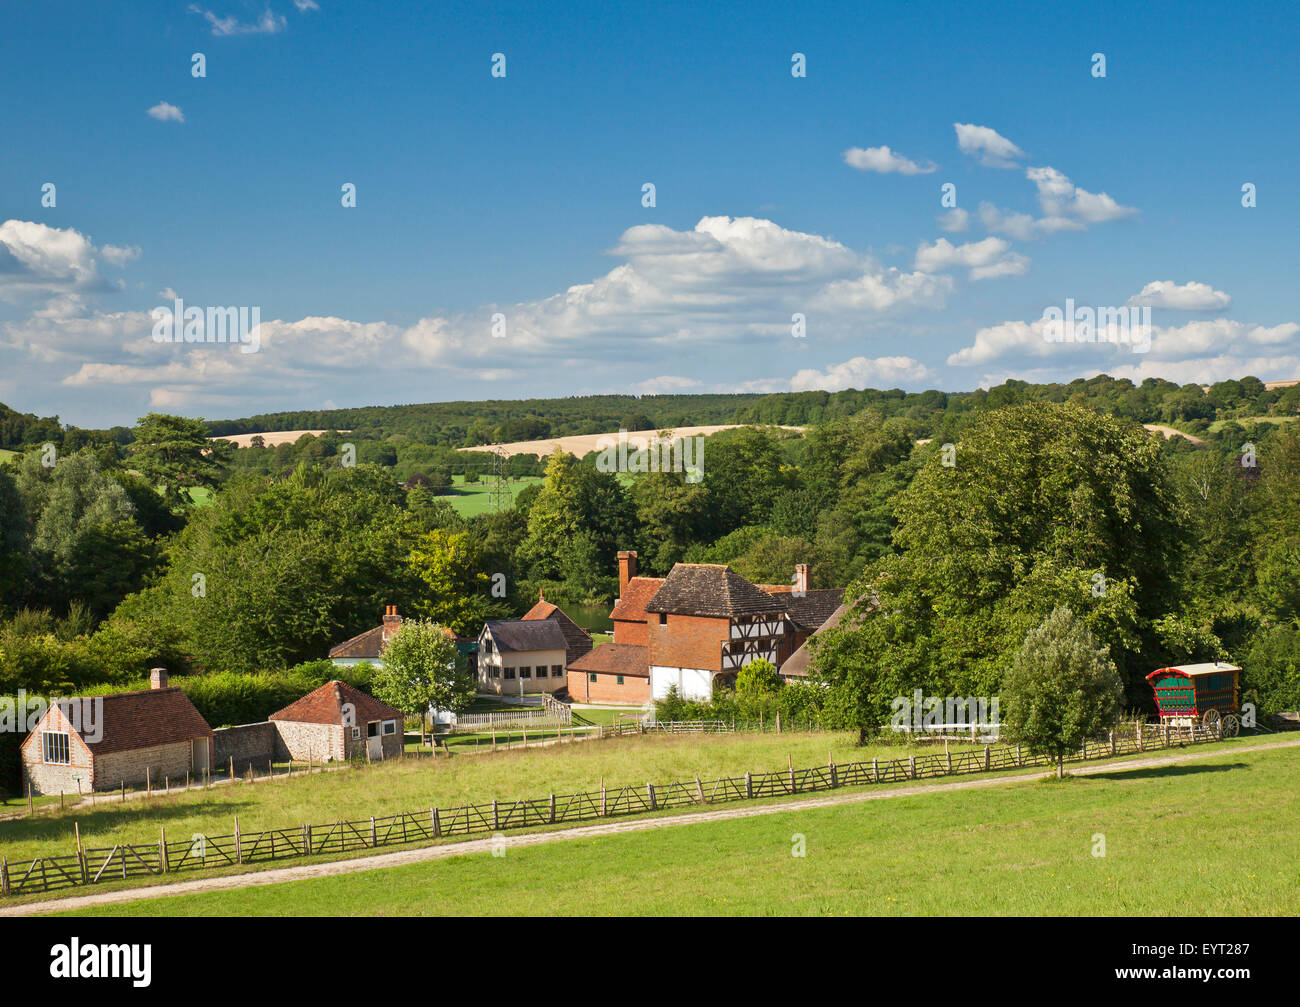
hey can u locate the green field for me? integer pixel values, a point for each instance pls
(1218, 425)
(416, 784)
(6, 454)
(1211, 837)
(476, 498)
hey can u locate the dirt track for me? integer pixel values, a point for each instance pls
(282, 874)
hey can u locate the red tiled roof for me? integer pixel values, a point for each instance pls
(146, 718)
(368, 644)
(710, 589)
(577, 640)
(325, 706)
(631, 606)
(615, 659)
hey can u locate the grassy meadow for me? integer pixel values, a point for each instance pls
(1209, 838)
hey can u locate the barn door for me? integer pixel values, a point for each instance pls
(200, 755)
(375, 748)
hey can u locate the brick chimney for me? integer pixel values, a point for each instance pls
(626, 570)
(392, 622)
(800, 579)
(157, 678)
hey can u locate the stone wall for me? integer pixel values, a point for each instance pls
(249, 745)
(112, 769)
(317, 742)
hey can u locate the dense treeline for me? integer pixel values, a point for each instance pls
(965, 518)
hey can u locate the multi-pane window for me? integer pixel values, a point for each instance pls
(526, 671)
(591, 677)
(390, 727)
(510, 673)
(55, 745)
(557, 670)
(620, 679)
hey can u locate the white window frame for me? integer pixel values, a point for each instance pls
(356, 734)
(65, 745)
(389, 727)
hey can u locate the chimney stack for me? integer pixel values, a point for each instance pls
(392, 622)
(626, 570)
(157, 678)
(800, 579)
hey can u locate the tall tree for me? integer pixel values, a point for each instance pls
(175, 453)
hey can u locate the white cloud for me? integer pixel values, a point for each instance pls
(727, 282)
(42, 260)
(306, 5)
(1177, 346)
(860, 372)
(1059, 197)
(666, 384)
(992, 149)
(985, 259)
(884, 161)
(1187, 297)
(119, 255)
(268, 24)
(954, 221)
(1065, 207)
(165, 111)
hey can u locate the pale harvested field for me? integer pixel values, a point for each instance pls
(272, 438)
(1160, 428)
(581, 444)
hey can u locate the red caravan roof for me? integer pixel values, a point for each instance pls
(1195, 670)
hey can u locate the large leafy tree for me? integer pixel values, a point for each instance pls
(1042, 505)
(175, 453)
(458, 586)
(421, 670)
(1061, 690)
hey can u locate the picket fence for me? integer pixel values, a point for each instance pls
(90, 865)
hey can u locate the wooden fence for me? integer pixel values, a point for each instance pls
(544, 717)
(91, 865)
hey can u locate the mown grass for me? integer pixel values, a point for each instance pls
(470, 499)
(416, 784)
(1213, 837)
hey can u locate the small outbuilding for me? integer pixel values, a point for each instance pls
(338, 722)
(104, 742)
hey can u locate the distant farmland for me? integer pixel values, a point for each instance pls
(581, 444)
(273, 438)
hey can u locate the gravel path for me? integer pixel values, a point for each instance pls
(414, 856)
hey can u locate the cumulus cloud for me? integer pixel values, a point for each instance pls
(306, 5)
(165, 111)
(1187, 297)
(38, 259)
(884, 161)
(860, 372)
(1065, 206)
(269, 23)
(985, 259)
(992, 148)
(954, 221)
(1176, 348)
(727, 282)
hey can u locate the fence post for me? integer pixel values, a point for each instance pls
(650, 790)
(911, 766)
(373, 839)
(81, 853)
(306, 839)
(1112, 741)
(496, 819)
(4, 876)
(986, 758)
(749, 785)
(1020, 759)
(552, 809)
(699, 789)
(835, 780)
(239, 847)
(875, 772)
(437, 823)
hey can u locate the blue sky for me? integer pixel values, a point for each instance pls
(521, 195)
